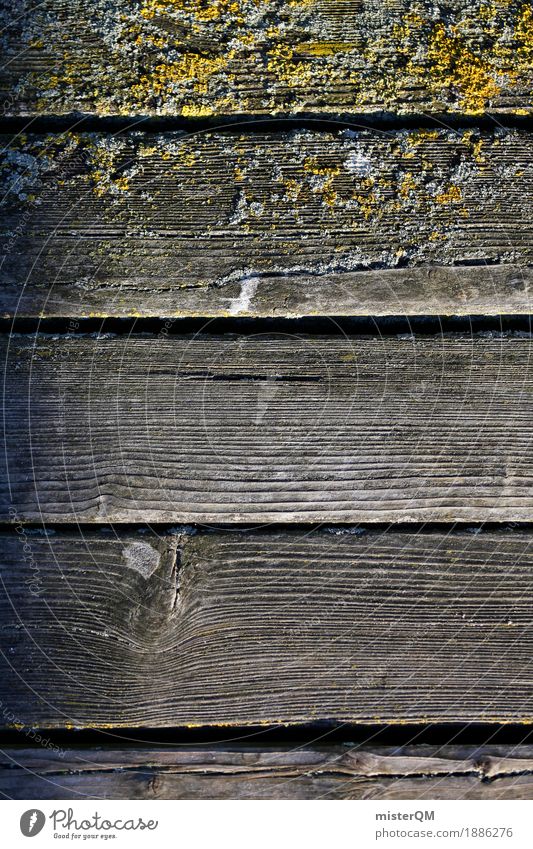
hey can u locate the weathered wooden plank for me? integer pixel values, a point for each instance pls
(268, 428)
(316, 772)
(300, 223)
(194, 58)
(265, 628)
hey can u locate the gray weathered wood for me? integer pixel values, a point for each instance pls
(193, 58)
(268, 429)
(289, 224)
(314, 772)
(231, 630)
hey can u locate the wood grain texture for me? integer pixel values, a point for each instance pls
(287, 224)
(279, 428)
(314, 772)
(236, 630)
(196, 58)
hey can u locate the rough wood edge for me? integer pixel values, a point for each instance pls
(271, 772)
(490, 290)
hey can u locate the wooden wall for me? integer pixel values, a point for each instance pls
(268, 399)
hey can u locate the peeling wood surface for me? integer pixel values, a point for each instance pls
(196, 58)
(315, 772)
(268, 428)
(288, 224)
(267, 628)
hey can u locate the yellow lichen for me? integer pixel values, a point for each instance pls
(312, 165)
(194, 110)
(420, 136)
(367, 200)
(524, 32)
(202, 10)
(204, 57)
(452, 194)
(475, 146)
(407, 185)
(323, 48)
(145, 150)
(166, 76)
(121, 184)
(453, 65)
(292, 189)
(288, 71)
(103, 173)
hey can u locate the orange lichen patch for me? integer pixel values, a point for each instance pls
(446, 65)
(121, 184)
(103, 169)
(329, 196)
(238, 26)
(322, 179)
(367, 202)
(193, 110)
(146, 150)
(409, 147)
(186, 156)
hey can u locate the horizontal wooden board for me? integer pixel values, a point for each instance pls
(268, 428)
(236, 630)
(240, 57)
(314, 772)
(290, 224)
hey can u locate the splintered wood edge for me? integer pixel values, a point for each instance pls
(430, 291)
(484, 761)
(346, 771)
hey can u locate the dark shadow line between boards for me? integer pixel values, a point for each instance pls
(96, 529)
(322, 733)
(380, 121)
(339, 325)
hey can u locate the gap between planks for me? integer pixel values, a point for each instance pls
(337, 325)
